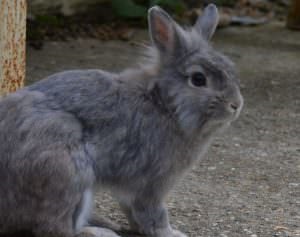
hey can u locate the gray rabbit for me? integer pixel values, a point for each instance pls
(135, 133)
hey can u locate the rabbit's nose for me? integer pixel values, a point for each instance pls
(233, 106)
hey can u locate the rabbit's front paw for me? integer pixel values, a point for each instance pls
(176, 233)
(170, 233)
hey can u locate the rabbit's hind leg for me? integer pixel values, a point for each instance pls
(84, 232)
(53, 230)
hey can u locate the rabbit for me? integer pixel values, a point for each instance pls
(135, 133)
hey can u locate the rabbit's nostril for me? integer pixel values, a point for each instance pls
(234, 106)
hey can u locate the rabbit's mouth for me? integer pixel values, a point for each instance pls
(223, 110)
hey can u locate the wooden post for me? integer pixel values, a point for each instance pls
(293, 21)
(12, 45)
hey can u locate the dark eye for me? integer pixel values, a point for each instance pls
(198, 79)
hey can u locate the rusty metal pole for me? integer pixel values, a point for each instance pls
(12, 45)
(293, 21)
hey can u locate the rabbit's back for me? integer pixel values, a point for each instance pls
(45, 114)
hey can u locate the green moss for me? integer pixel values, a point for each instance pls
(229, 3)
(50, 20)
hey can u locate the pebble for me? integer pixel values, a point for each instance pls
(294, 185)
(225, 19)
(223, 235)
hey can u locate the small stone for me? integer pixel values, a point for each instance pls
(248, 231)
(294, 185)
(225, 19)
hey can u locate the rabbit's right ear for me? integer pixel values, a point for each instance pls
(208, 22)
(163, 30)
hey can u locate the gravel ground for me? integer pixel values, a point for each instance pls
(248, 185)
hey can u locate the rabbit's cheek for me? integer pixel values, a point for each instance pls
(223, 113)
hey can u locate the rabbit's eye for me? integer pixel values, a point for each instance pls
(198, 79)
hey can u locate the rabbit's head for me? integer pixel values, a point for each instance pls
(199, 83)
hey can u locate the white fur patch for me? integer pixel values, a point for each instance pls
(87, 203)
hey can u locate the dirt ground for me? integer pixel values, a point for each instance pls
(248, 185)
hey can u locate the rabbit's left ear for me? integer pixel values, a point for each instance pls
(207, 23)
(163, 30)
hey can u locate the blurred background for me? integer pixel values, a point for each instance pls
(117, 19)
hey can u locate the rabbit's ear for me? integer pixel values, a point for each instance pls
(163, 30)
(208, 22)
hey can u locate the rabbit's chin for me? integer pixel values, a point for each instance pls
(216, 125)
(224, 122)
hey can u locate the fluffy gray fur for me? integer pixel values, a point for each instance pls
(134, 133)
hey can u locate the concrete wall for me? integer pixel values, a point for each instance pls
(66, 7)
